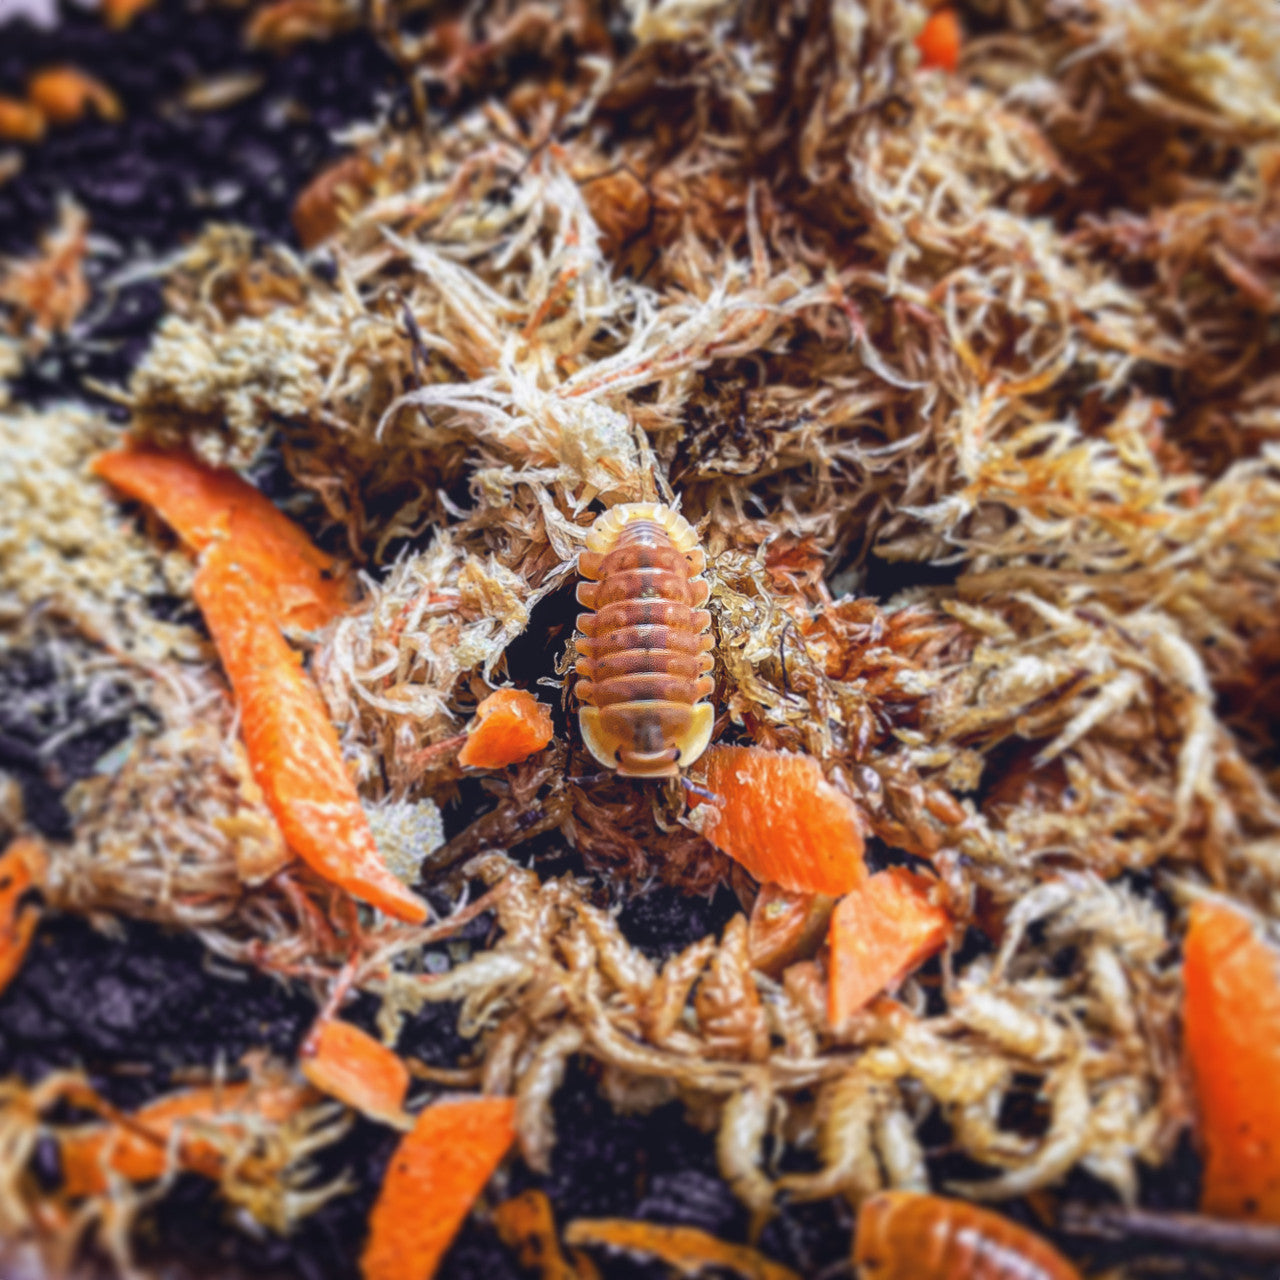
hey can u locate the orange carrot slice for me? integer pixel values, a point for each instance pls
(786, 927)
(22, 869)
(141, 1154)
(435, 1175)
(292, 746)
(783, 820)
(350, 1065)
(509, 726)
(1231, 1025)
(205, 504)
(687, 1250)
(879, 933)
(940, 39)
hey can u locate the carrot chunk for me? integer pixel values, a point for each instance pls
(940, 39)
(782, 820)
(786, 927)
(350, 1065)
(686, 1250)
(438, 1170)
(292, 746)
(879, 933)
(206, 504)
(67, 94)
(1231, 1024)
(140, 1152)
(21, 869)
(509, 726)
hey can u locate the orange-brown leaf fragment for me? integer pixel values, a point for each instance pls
(786, 927)
(940, 40)
(334, 192)
(879, 933)
(1231, 1021)
(204, 504)
(782, 820)
(139, 1151)
(509, 726)
(350, 1065)
(687, 1250)
(67, 94)
(292, 746)
(438, 1170)
(527, 1225)
(22, 869)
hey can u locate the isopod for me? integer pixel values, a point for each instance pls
(905, 1235)
(644, 652)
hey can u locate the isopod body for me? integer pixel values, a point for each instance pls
(644, 653)
(904, 1235)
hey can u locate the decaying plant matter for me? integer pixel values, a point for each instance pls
(967, 385)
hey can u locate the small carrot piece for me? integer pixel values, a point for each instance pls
(350, 1065)
(786, 927)
(879, 933)
(1231, 1025)
(120, 13)
(437, 1172)
(940, 40)
(292, 746)
(141, 1154)
(205, 504)
(22, 869)
(509, 726)
(67, 94)
(782, 820)
(21, 121)
(686, 1250)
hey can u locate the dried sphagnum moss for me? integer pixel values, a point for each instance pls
(1021, 324)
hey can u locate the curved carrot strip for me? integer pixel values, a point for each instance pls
(22, 869)
(435, 1175)
(1231, 1025)
(141, 1154)
(509, 726)
(204, 504)
(350, 1065)
(292, 746)
(879, 933)
(687, 1250)
(782, 820)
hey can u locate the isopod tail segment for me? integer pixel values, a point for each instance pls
(645, 651)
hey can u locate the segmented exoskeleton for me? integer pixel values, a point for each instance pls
(644, 653)
(904, 1235)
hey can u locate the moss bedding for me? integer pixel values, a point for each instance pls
(969, 384)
